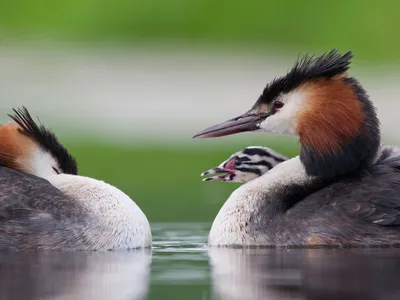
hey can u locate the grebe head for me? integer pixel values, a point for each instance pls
(330, 112)
(32, 148)
(245, 165)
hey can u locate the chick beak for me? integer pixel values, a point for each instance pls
(242, 123)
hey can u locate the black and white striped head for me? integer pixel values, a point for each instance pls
(245, 165)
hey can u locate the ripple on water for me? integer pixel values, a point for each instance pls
(180, 253)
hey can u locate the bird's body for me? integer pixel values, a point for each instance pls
(60, 211)
(344, 187)
(294, 209)
(67, 213)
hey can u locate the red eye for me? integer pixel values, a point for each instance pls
(278, 104)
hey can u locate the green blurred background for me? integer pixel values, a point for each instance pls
(125, 84)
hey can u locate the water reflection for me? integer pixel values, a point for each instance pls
(75, 276)
(305, 274)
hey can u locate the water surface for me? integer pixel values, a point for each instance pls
(180, 266)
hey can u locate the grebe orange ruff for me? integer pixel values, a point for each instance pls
(342, 190)
(44, 205)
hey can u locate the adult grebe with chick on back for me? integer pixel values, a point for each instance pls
(342, 190)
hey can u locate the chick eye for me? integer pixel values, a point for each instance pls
(278, 104)
(55, 170)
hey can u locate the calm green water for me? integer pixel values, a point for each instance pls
(180, 266)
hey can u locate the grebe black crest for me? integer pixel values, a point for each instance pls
(46, 139)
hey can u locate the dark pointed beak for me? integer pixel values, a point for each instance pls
(245, 122)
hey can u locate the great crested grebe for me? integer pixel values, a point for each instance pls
(342, 190)
(255, 161)
(245, 165)
(45, 205)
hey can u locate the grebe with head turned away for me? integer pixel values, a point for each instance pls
(45, 205)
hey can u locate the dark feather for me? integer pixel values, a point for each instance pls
(34, 215)
(46, 139)
(360, 209)
(305, 69)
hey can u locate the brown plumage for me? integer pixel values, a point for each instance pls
(15, 148)
(28, 146)
(332, 115)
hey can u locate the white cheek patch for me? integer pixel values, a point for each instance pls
(42, 163)
(278, 124)
(284, 121)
